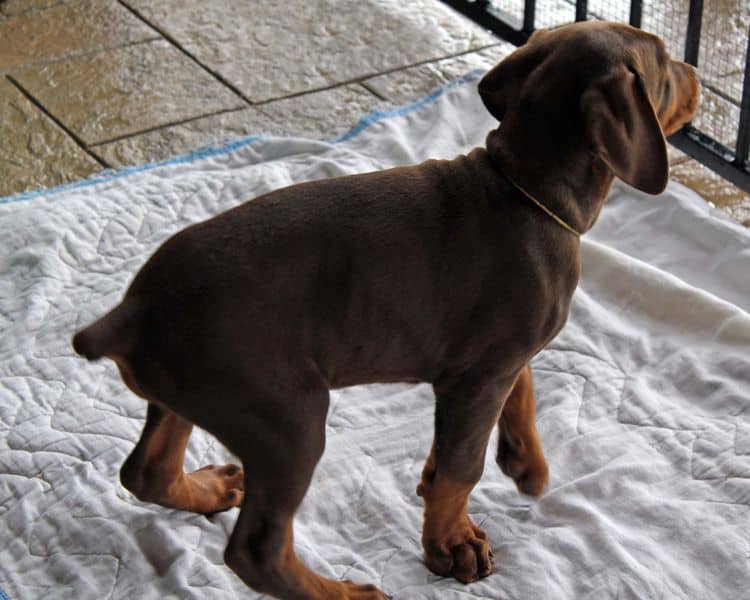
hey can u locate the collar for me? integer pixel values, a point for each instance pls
(551, 214)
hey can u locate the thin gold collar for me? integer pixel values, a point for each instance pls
(556, 218)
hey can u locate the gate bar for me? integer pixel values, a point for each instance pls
(581, 9)
(529, 14)
(482, 12)
(743, 132)
(693, 36)
(636, 13)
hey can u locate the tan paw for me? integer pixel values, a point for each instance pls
(464, 553)
(213, 488)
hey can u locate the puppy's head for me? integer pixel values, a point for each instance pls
(611, 84)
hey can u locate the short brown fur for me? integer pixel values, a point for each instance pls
(442, 272)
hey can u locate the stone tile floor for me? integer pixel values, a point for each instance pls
(92, 84)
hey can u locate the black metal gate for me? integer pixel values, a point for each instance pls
(716, 40)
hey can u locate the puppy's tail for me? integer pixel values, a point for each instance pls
(112, 335)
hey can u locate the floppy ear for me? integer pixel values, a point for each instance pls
(621, 124)
(497, 85)
(504, 80)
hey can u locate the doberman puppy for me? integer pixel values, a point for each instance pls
(454, 272)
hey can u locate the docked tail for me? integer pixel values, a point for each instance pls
(112, 335)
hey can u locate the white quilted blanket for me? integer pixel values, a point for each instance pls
(644, 401)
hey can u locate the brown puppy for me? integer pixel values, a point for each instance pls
(445, 272)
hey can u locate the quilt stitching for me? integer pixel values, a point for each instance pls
(697, 433)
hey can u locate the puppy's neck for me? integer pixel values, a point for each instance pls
(570, 181)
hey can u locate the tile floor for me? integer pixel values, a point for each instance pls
(91, 84)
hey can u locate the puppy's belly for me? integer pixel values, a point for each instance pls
(362, 378)
(366, 365)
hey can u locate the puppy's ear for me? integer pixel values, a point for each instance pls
(622, 126)
(504, 81)
(497, 85)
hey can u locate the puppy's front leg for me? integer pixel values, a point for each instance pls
(519, 448)
(465, 414)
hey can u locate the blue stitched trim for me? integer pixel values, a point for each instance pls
(376, 116)
(111, 174)
(363, 124)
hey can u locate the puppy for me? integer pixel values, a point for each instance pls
(453, 272)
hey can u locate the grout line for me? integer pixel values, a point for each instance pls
(359, 80)
(125, 136)
(225, 148)
(75, 54)
(190, 55)
(88, 149)
(373, 91)
(364, 78)
(57, 121)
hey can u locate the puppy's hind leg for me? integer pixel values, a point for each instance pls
(154, 470)
(284, 438)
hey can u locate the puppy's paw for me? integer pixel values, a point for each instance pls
(215, 488)
(463, 553)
